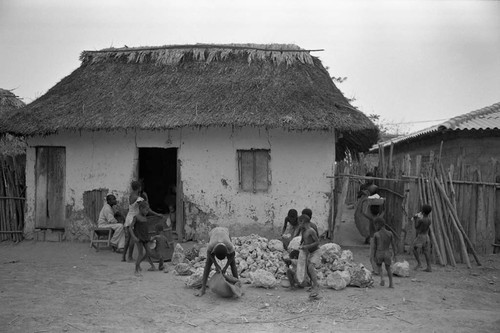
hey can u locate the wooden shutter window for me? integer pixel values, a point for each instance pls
(253, 170)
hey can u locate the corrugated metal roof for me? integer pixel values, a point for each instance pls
(487, 118)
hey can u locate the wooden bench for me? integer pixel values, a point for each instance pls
(100, 236)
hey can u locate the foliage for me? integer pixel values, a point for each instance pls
(387, 129)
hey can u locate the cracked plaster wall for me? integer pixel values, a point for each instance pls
(300, 162)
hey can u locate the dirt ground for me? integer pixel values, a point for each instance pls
(69, 287)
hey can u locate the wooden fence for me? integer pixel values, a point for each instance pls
(12, 197)
(463, 198)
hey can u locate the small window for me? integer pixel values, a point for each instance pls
(253, 169)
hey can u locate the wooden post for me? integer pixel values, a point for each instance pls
(381, 160)
(341, 203)
(497, 211)
(391, 150)
(331, 225)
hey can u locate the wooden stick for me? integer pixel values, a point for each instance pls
(461, 233)
(13, 198)
(439, 213)
(436, 227)
(198, 46)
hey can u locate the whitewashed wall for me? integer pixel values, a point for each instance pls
(300, 162)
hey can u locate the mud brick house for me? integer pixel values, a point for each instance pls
(234, 135)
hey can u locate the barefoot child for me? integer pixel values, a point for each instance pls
(220, 247)
(160, 246)
(382, 240)
(291, 271)
(309, 243)
(422, 241)
(140, 235)
(290, 228)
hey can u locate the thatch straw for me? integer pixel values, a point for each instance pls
(271, 86)
(173, 55)
(10, 145)
(9, 101)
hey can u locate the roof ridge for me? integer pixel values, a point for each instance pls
(460, 119)
(249, 46)
(174, 55)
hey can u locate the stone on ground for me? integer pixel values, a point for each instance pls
(183, 269)
(401, 269)
(275, 245)
(360, 276)
(335, 281)
(178, 256)
(263, 279)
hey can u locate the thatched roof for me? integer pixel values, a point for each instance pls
(9, 102)
(10, 145)
(169, 87)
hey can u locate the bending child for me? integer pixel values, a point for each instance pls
(291, 271)
(219, 246)
(422, 241)
(290, 228)
(140, 235)
(382, 240)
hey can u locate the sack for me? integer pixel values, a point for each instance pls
(220, 286)
(302, 266)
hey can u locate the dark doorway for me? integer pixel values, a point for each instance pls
(158, 171)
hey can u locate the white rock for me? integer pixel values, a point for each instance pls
(347, 256)
(401, 269)
(346, 276)
(330, 252)
(263, 279)
(243, 266)
(294, 244)
(183, 269)
(243, 253)
(360, 276)
(275, 245)
(335, 281)
(178, 255)
(203, 253)
(194, 280)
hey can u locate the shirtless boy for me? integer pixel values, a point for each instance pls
(139, 233)
(382, 240)
(310, 243)
(219, 246)
(422, 241)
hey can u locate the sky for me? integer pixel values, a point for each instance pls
(413, 63)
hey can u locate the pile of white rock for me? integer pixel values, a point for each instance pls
(260, 262)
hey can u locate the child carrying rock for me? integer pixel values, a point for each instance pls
(309, 244)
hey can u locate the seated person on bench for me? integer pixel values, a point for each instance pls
(107, 219)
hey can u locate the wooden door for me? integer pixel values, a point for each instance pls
(50, 180)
